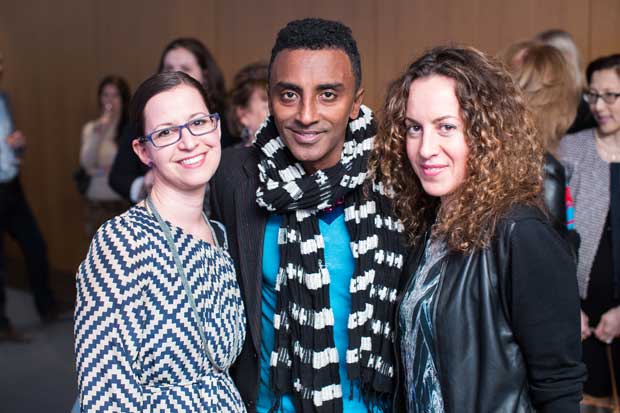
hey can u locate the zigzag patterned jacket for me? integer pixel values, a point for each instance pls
(137, 342)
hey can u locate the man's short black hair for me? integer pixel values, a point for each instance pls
(318, 34)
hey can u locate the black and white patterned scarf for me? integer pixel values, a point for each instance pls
(304, 361)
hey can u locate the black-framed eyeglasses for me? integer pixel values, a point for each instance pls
(608, 97)
(171, 135)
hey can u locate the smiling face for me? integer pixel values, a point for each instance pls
(436, 145)
(182, 60)
(312, 96)
(607, 115)
(190, 163)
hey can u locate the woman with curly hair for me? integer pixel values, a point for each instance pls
(488, 319)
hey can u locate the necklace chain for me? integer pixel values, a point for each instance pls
(610, 153)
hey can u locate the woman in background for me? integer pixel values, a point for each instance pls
(564, 42)
(592, 158)
(248, 102)
(159, 317)
(477, 327)
(100, 139)
(546, 80)
(192, 57)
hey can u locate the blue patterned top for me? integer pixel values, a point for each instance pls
(138, 346)
(417, 346)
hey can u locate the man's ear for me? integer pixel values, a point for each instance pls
(357, 102)
(140, 150)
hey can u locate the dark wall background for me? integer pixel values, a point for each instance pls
(55, 53)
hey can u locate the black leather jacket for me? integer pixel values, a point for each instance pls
(506, 323)
(554, 196)
(554, 192)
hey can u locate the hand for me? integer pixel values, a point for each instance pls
(609, 326)
(105, 119)
(586, 331)
(16, 140)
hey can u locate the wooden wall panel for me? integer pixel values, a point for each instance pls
(521, 20)
(604, 27)
(49, 60)
(130, 43)
(56, 52)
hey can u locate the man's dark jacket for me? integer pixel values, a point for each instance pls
(233, 202)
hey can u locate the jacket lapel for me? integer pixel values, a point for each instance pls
(251, 221)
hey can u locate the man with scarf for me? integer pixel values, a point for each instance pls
(317, 248)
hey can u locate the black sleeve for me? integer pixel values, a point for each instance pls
(554, 193)
(213, 200)
(227, 139)
(126, 167)
(545, 315)
(583, 119)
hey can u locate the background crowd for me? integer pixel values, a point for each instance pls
(576, 119)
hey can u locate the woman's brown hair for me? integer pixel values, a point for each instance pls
(504, 166)
(246, 81)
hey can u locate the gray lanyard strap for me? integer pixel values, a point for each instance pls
(177, 260)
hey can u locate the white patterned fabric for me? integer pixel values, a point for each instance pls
(138, 346)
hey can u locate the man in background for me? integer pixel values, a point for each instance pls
(17, 220)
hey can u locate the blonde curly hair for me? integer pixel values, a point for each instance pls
(505, 159)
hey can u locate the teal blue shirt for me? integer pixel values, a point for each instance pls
(340, 265)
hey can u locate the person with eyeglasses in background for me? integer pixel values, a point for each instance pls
(159, 316)
(592, 160)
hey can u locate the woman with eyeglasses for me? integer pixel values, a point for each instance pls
(592, 160)
(159, 317)
(128, 176)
